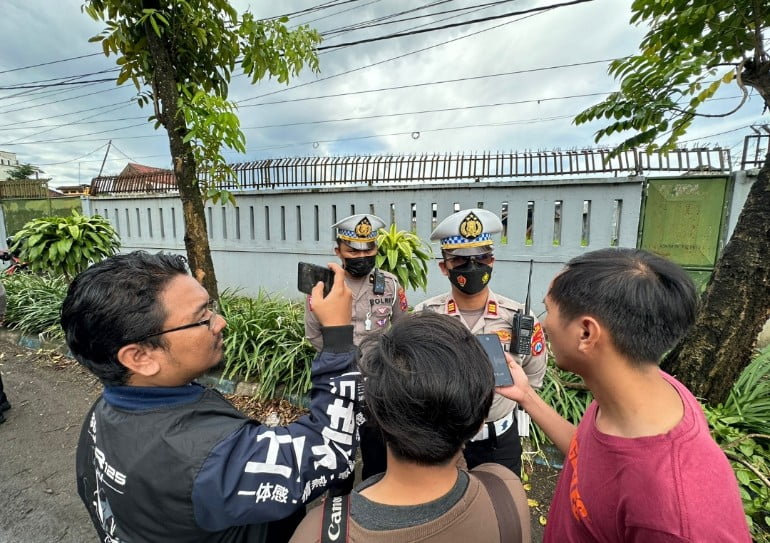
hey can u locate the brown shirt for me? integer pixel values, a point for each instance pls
(498, 319)
(379, 309)
(471, 519)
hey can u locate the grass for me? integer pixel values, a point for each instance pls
(34, 304)
(265, 342)
(741, 426)
(566, 393)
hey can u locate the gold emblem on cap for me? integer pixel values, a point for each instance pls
(471, 226)
(363, 228)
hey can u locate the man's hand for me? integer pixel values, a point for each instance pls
(336, 309)
(559, 429)
(520, 389)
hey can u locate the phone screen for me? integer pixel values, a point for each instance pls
(494, 350)
(309, 274)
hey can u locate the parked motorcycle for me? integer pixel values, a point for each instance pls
(15, 264)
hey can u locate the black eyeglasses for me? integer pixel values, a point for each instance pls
(459, 261)
(213, 308)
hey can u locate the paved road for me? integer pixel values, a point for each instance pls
(38, 498)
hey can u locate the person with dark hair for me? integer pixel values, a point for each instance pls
(378, 301)
(641, 465)
(161, 458)
(467, 251)
(428, 387)
(5, 405)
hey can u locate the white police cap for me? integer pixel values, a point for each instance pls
(359, 231)
(468, 232)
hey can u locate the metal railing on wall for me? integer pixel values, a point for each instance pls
(755, 148)
(395, 169)
(120, 184)
(24, 188)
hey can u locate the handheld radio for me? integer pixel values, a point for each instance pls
(378, 281)
(523, 324)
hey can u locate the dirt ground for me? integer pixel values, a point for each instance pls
(50, 395)
(38, 501)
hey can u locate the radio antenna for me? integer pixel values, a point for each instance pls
(529, 289)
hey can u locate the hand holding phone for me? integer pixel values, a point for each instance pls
(336, 308)
(308, 276)
(496, 354)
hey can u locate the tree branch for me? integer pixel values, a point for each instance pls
(749, 466)
(720, 115)
(741, 439)
(759, 49)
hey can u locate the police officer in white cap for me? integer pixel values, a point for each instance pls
(378, 300)
(467, 251)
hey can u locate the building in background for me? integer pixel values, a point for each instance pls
(9, 162)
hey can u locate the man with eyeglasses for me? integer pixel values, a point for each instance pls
(161, 458)
(467, 252)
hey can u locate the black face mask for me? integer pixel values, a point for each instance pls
(358, 267)
(470, 278)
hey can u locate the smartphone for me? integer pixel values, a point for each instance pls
(494, 350)
(308, 276)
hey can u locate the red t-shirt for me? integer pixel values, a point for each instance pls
(672, 487)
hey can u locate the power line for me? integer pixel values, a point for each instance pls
(313, 9)
(49, 63)
(320, 49)
(429, 83)
(453, 25)
(70, 113)
(69, 139)
(421, 131)
(60, 101)
(65, 78)
(381, 21)
(384, 61)
(426, 111)
(55, 127)
(75, 159)
(324, 121)
(343, 94)
(77, 122)
(338, 12)
(60, 84)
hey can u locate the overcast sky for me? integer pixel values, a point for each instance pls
(65, 129)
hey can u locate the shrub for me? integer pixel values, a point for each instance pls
(404, 255)
(741, 426)
(565, 392)
(65, 245)
(265, 342)
(34, 304)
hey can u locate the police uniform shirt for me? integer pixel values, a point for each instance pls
(379, 309)
(497, 318)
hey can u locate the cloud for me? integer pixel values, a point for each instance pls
(66, 130)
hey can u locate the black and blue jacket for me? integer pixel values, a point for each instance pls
(181, 464)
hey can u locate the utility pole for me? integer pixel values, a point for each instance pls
(109, 143)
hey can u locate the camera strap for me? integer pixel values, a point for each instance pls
(508, 522)
(335, 518)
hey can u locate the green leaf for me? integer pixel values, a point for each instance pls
(743, 476)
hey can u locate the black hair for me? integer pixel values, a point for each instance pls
(646, 302)
(113, 301)
(429, 386)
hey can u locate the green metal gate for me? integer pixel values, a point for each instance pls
(684, 220)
